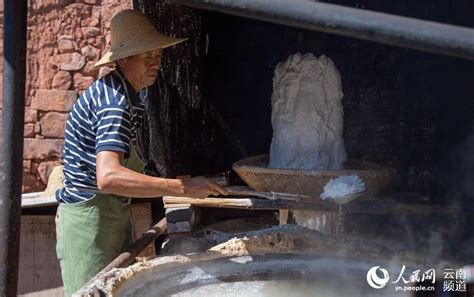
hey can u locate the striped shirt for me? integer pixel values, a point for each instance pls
(100, 120)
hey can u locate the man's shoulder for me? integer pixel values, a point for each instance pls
(108, 90)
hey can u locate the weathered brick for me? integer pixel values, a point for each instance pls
(26, 165)
(89, 32)
(41, 4)
(90, 52)
(91, 41)
(93, 2)
(34, 167)
(88, 71)
(53, 100)
(67, 44)
(82, 82)
(79, 9)
(37, 128)
(69, 61)
(43, 148)
(96, 11)
(31, 115)
(62, 80)
(31, 183)
(29, 130)
(53, 124)
(29, 95)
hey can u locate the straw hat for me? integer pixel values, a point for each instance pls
(131, 33)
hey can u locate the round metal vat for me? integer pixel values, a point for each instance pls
(265, 275)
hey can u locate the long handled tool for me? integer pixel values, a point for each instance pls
(246, 191)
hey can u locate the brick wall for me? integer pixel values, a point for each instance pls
(65, 38)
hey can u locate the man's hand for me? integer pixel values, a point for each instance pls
(113, 178)
(201, 187)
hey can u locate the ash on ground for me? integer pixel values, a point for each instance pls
(300, 240)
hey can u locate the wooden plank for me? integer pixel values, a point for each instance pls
(142, 222)
(247, 203)
(34, 200)
(365, 207)
(39, 267)
(55, 292)
(31, 195)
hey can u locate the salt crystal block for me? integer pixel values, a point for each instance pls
(307, 115)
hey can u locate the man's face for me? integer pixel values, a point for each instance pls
(142, 70)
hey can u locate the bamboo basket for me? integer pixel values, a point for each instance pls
(254, 172)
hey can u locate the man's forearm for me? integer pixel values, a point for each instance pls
(116, 179)
(125, 182)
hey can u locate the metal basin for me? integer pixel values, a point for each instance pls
(267, 275)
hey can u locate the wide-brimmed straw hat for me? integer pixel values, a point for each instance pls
(131, 33)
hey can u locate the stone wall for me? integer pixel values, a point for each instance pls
(65, 38)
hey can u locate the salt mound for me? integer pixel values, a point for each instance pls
(342, 186)
(307, 115)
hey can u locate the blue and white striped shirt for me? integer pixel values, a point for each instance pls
(100, 120)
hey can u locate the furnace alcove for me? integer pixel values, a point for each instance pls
(405, 109)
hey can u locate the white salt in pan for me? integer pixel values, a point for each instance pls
(342, 186)
(307, 115)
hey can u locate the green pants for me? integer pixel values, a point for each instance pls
(90, 235)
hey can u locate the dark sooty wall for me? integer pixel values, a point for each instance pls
(403, 108)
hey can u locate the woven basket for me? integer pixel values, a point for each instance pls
(254, 172)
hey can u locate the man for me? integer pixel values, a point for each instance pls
(101, 164)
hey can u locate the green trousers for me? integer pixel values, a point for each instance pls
(91, 234)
